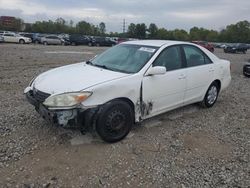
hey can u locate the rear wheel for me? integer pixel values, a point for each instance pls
(97, 44)
(89, 44)
(45, 43)
(245, 73)
(211, 95)
(21, 41)
(115, 121)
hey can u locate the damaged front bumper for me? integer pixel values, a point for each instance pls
(77, 117)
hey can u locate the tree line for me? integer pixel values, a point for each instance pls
(239, 32)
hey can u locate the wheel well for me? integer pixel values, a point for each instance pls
(131, 104)
(218, 82)
(126, 100)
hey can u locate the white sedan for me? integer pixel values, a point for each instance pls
(129, 83)
(15, 38)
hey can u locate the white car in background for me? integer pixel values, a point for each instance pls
(129, 83)
(1, 39)
(15, 38)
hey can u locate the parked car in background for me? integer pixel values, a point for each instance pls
(205, 44)
(28, 35)
(37, 38)
(78, 39)
(235, 48)
(66, 41)
(103, 41)
(1, 39)
(246, 69)
(16, 38)
(129, 83)
(52, 39)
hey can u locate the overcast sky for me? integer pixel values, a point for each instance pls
(170, 14)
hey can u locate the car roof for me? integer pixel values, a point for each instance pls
(155, 43)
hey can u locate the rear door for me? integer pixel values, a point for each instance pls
(57, 40)
(200, 73)
(9, 37)
(165, 92)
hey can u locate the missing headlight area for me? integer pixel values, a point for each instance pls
(63, 118)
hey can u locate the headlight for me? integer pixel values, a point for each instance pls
(66, 100)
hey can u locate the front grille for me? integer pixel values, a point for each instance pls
(40, 96)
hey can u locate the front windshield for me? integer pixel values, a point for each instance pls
(125, 58)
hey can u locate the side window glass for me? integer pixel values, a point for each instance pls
(194, 56)
(207, 60)
(169, 58)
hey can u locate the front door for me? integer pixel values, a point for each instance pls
(161, 93)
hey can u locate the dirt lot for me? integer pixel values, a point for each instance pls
(188, 147)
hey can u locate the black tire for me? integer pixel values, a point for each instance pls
(21, 41)
(89, 44)
(211, 95)
(73, 43)
(115, 121)
(45, 43)
(36, 42)
(245, 72)
(97, 44)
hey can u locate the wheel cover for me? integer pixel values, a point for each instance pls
(115, 125)
(212, 95)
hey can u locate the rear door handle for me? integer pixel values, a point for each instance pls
(211, 70)
(182, 76)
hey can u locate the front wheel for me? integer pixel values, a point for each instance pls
(45, 43)
(115, 121)
(211, 95)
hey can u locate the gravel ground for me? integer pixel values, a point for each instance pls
(187, 147)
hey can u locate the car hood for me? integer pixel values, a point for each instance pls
(73, 78)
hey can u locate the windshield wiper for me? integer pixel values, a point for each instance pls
(96, 65)
(101, 66)
(89, 63)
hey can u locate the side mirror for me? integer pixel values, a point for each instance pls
(158, 70)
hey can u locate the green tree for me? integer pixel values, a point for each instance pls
(152, 29)
(180, 34)
(132, 30)
(102, 28)
(162, 33)
(239, 32)
(84, 28)
(140, 31)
